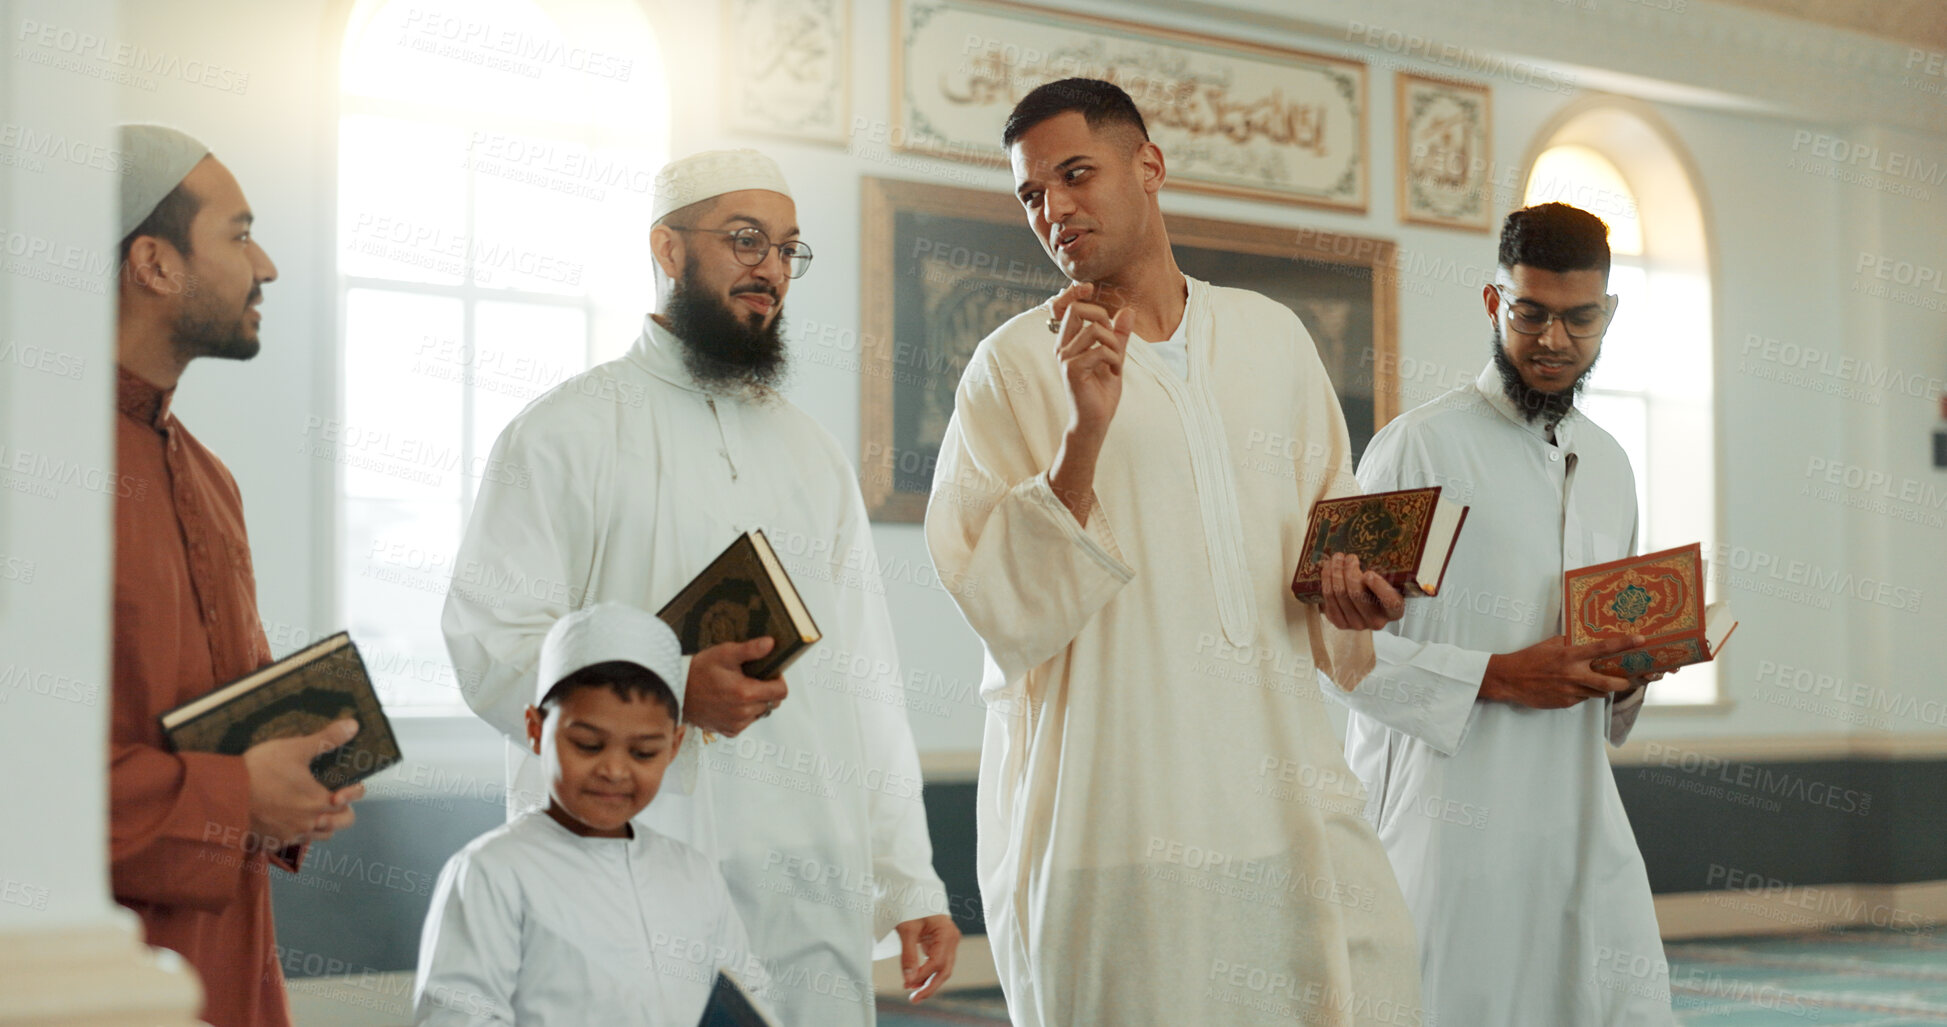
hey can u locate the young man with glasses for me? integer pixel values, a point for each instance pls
(633, 476)
(1480, 734)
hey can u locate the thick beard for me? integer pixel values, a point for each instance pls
(202, 332)
(1534, 403)
(727, 354)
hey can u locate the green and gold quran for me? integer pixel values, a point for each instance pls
(1659, 596)
(744, 593)
(298, 695)
(1407, 536)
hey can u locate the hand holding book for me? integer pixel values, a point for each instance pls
(1552, 674)
(1401, 540)
(287, 804)
(1355, 599)
(720, 697)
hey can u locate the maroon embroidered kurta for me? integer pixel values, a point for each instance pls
(186, 620)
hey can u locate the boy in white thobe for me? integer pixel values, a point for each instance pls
(572, 915)
(1480, 735)
(1168, 833)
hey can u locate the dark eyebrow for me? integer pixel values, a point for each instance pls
(243, 218)
(759, 225)
(1059, 168)
(1578, 307)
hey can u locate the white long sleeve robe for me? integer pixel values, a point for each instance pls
(1502, 822)
(623, 483)
(1168, 832)
(533, 924)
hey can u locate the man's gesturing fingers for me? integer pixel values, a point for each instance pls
(1063, 299)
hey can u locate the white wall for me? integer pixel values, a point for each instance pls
(1785, 244)
(57, 484)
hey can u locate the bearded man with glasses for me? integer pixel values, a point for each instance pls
(1480, 734)
(627, 480)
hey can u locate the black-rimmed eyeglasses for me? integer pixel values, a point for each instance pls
(1584, 322)
(751, 246)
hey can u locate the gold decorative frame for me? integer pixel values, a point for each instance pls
(1236, 118)
(1445, 152)
(803, 61)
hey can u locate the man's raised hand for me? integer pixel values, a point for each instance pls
(1552, 674)
(1090, 348)
(1089, 345)
(718, 697)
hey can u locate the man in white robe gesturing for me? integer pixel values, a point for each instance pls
(639, 472)
(1168, 832)
(1480, 735)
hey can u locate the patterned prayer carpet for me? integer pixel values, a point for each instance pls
(1829, 979)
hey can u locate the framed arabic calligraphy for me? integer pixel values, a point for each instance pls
(1241, 119)
(788, 67)
(944, 267)
(1444, 152)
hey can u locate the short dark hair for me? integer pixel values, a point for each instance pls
(629, 682)
(1099, 103)
(169, 221)
(1555, 237)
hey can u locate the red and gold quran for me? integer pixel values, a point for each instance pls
(1659, 596)
(1407, 536)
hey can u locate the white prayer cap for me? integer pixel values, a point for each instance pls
(157, 160)
(700, 176)
(605, 632)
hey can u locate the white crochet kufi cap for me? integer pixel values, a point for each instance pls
(156, 160)
(701, 176)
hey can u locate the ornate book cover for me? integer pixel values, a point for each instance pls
(1658, 595)
(732, 1006)
(1391, 533)
(298, 695)
(742, 594)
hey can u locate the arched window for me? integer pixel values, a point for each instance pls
(496, 161)
(1651, 388)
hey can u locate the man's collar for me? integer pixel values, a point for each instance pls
(660, 353)
(1490, 385)
(140, 400)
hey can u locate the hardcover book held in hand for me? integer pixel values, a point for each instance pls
(732, 1006)
(744, 593)
(1407, 536)
(298, 695)
(1659, 596)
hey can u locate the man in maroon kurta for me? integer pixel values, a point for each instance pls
(191, 835)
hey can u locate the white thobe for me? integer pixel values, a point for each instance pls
(533, 924)
(1168, 832)
(622, 484)
(1503, 822)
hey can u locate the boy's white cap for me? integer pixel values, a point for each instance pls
(605, 632)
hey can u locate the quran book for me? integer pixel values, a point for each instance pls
(744, 593)
(1407, 536)
(298, 695)
(732, 1006)
(1659, 596)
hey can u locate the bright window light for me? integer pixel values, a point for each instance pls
(495, 179)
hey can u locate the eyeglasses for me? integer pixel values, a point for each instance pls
(751, 246)
(1585, 322)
